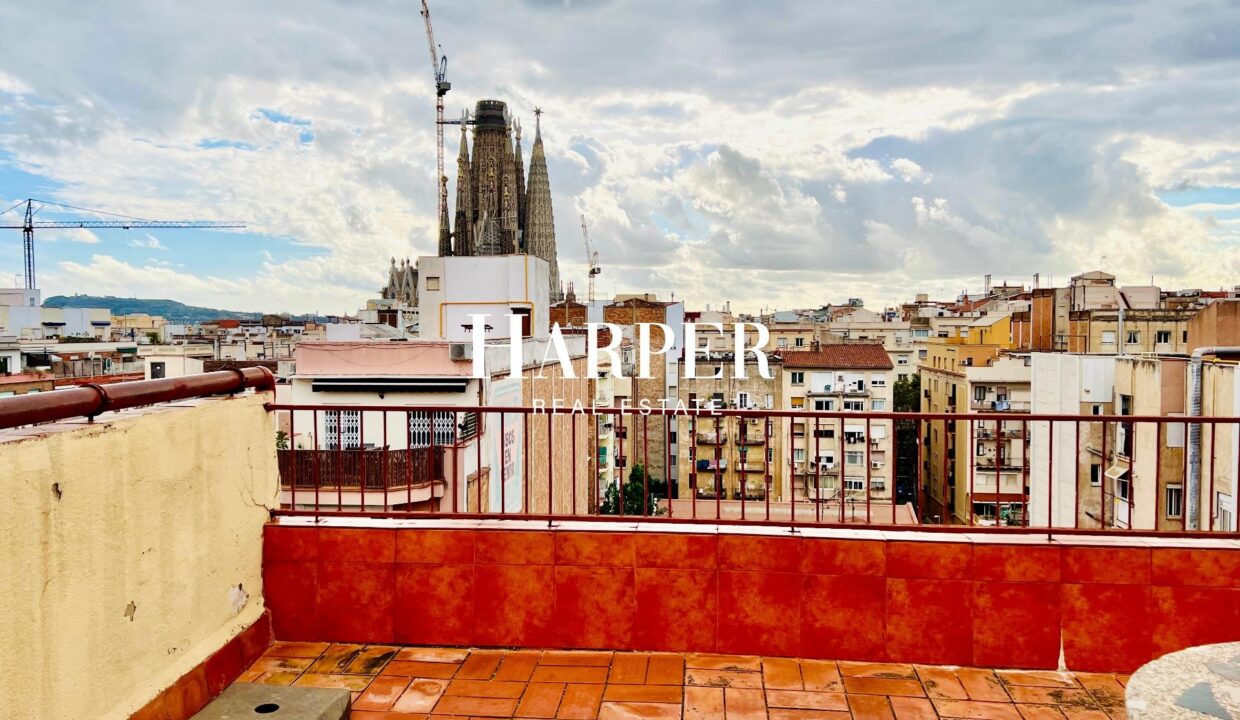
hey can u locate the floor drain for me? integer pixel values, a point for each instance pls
(266, 708)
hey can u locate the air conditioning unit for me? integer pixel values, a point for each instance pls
(461, 351)
(876, 464)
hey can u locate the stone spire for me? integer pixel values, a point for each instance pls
(520, 175)
(463, 237)
(540, 223)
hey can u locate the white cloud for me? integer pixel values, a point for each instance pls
(73, 235)
(149, 242)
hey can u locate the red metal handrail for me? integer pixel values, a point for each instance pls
(91, 400)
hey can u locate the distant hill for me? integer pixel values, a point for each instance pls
(172, 310)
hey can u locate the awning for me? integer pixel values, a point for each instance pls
(1116, 472)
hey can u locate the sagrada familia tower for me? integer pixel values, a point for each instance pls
(500, 211)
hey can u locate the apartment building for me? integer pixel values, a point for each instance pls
(730, 458)
(23, 316)
(975, 472)
(895, 335)
(833, 459)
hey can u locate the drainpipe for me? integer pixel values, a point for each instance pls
(1194, 429)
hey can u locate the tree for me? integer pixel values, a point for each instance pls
(907, 398)
(633, 489)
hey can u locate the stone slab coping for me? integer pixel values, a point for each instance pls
(246, 701)
(1104, 539)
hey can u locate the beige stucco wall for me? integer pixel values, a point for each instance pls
(123, 545)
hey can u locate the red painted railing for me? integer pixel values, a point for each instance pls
(988, 471)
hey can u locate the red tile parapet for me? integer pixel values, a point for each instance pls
(91, 400)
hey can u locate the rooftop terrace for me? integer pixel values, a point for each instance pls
(153, 559)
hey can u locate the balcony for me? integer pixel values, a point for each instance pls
(200, 578)
(712, 438)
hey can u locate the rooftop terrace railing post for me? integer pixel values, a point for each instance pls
(1076, 475)
(478, 435)
(1210, 500)
(525, 460)
(868, 468)
(432, 463)
(918, 475)
(551, 471)
(945, 479)
(1102, 481)
(386, 500)
(718, 475)
(817, 473)
(843, 467)
(693, 465)
(361, 453)
(668, 461)
(318, 472)
(999, 447)
(292, 442)
(1159, 439)
(645, 465)
(503, 465)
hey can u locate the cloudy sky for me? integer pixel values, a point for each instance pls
(774, 154)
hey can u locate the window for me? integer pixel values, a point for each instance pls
(828, 433)
(470, 427)
(420, 428)
(1134, 337)
(1108, 337)
(1095, 475)
(1162, 337)
(342, 429)
(854, 405)
(1175, 501)
(979, 392)
(1224, 509)
(798, 377)
(158, 370)
(921, 333)
(798, 454)
(1122, 485)
(827, 405)
(4, 365)
(770, 455)
(781, 343)
(798, 403)
(1096, 409)
(432, 283)
(742, 400)
(902, 360)
(921, 354)
(878, 405)
(879, 381)
(856, 484)
(981, 449)
(854, 457)
(800, 342)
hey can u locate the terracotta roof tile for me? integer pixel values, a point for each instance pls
(869, 356)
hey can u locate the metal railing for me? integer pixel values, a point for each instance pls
(1059, 473)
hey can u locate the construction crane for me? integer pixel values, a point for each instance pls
(591, 260)
(124, 222)
(439, 66)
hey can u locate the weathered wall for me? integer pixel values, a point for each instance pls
(909, 598)
(130, 553)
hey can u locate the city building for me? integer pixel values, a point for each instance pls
(834, 460)
(975, 472)
(23, 316)
(730, 458)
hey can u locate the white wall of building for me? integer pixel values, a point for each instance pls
(450, 289)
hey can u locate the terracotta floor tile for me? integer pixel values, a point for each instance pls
(629, 668)
(281, 664)
(743, 704)
(540, 700)
(249, 676)
(941, 682)
(517, 665)
(821, 676)
(1122, 679)
(418, 668)
(982, 685)
(890, 671)
(382, 693)
(440, 655)
(638, 711)
(806, 700)
(485, 689)
(373, 715)
(908, 708)
(643, 693)
(580, 702)
(476, 707)
(569, 674)
(724, 662)
(1075, 713)
(1039, 712)
(788, 714)
(420, 696)
(278, 678)
(1104, 689)
(1052, 696)
(1037, 678)
(703, 703)
(582, 657)
(883, 686)
(296, 649)
(335, 659)
(870, 707)
(973, 710)
(781, 674)
(665, 669)
(723, 678)
(480, 665)
(349, 682)
(371, 660)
